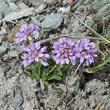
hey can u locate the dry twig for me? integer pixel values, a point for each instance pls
(91, 29)
(77, 69)
(60, 36)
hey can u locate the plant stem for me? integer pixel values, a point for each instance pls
(77, 69)
(39, 71)
(52, 69)
(101, 65)
(67, 66)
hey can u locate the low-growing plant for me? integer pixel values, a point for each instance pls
(105, 45)
(43, 73)
(46, 67)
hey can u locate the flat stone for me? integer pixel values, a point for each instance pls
(51, 22)
(1, 15)
(101, 7)
(2, 50)
(40, 8)
(5, 9)
(50, 2)
(18, 99)
(13, 54)
(36, 3)
(38, 19)
(17, 15)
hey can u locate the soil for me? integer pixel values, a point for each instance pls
(84, 91)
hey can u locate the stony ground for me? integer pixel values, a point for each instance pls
(84, 91)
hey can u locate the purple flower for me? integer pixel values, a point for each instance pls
(34, 53)
(26, 33)
(64, 52)
(85, 51)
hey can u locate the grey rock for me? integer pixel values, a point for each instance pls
(76, 6)
(38, 20)
(5, 9)
(18, 99)
(64, 9)
(50, 2)
(2, 50)
(3, 31)
(74, 84)
(36, 36)
(1, 37)
(89, 22)
(14, 7)
(101, 7)
(87, 2)
(36, 3)
(52, 22)
(40, 8)
(98, 4)
(13, 54)
(104, 11)
(17, 15)
(95, 27)
(1, 15)
(83, 19)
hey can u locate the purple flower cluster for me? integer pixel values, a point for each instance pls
(26, 33)
(66, 51)
(34, 53)
(85, 51)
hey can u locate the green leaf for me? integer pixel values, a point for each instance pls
(46, 84)
(101, 65)
(31, 76)
(55, 77)
(59, 73)
(44, 77)
(66, 67)
(29, 68)
(52, 69)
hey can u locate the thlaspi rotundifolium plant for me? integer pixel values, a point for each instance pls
(46, 67)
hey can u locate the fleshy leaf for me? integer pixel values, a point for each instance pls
(55, 77)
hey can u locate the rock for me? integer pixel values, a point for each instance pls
(50, 2)
(14, 7)
(104, 11)
(74, 84)
(22, 5)
(36, 36)
(52, 21)
(13, 54)
(1, 15)
(2, 50)
(36, 22)
(18, 99)
(17, 15)
(64, 9)
(36, 3)
(99, 4)
(3, 31)
(1, 37)
(11, 36)
(5, 9)
(83, 19)
(101, 7)
(40, 8)
(76, 6)
(38, 19)
(89, 22)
